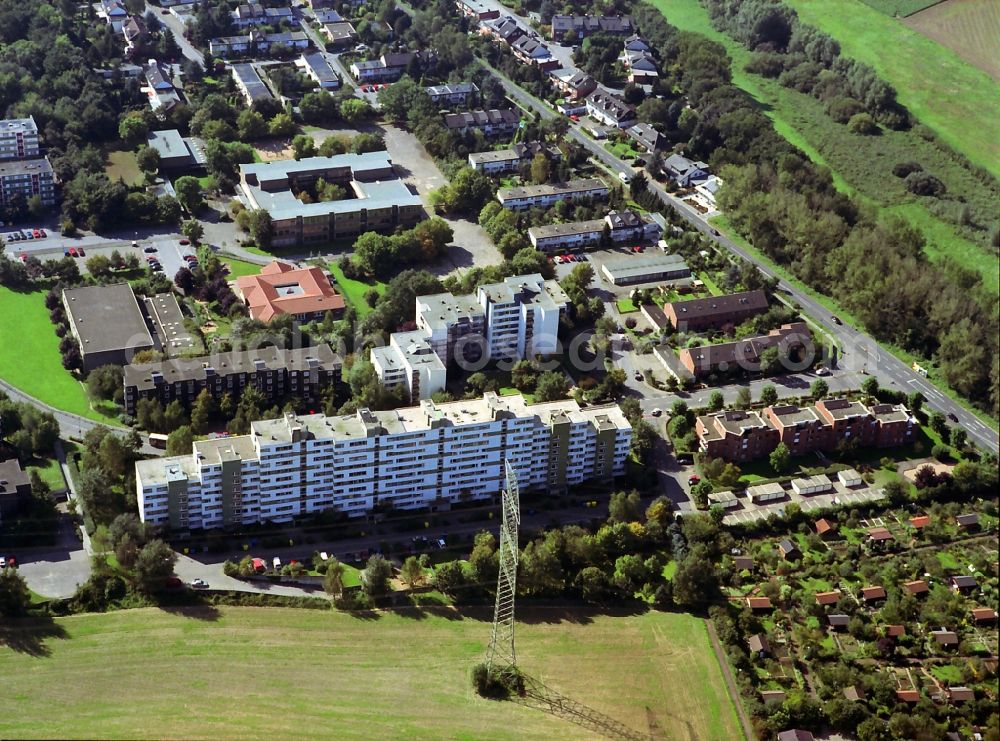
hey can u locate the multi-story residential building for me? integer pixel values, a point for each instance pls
(476, 10)
(492, 123)
(318, 68)
(15, 487)
(522, 316)
(255, 14)
(498, 161)
(19, 139)
(735, 435)
(610, 110)
(506, 30)
(543, 196)
(715, 312)
(515, 319)
(683, 171)
(387, 68)
(744, 436)
(531, 50)
(250, 84)
(459, 93)
(381, 201)
(584, 25)
(455, 326)
(275, 372)
(410, 361)
(616, 227)
(27, 178)
(745, 354)
(255, 43)
(430, 456)
(573, 82)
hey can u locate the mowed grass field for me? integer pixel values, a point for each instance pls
(957, 100)
(901, 8)
(354, 290)
(29, 355)
(286, 673)
(122, 164)
(970, 28)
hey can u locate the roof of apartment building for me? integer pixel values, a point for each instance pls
(790, 415)
(407, 349)
(15, 125)
(106, 317)
(281, 288)
(143, 376)
(648, 264)
(719, 306)
(525, 289)
(748, 350)
(459, 88)
(733, 422)
(603, 23)
(444, 309)
(320, 66)
(844, 408)
(519, 151)
(565, 230)
(567, 188)
(35, 166)
(12, 476)
(282, 204)
(248, 77)
(340, 31)
(611, 106)
(890, 412)
(492, 117)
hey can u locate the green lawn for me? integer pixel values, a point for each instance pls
(122, 164)
(862, 164)
(49, 471)
(239, 268)
(354, 290)
(626, 306)
(949, 674)
(948, 561)
(958, 101)
(281, 673)
(902, 8)
(511, 391)
(623, 150)
(29, 355)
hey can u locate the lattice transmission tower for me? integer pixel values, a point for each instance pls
(501, 651)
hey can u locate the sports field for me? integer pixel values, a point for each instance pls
(957, 100)
(970, 28)
(281, 673)
(29, 355)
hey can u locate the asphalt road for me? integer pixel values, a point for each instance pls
(859, 351)
(170, 21)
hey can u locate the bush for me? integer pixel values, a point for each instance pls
(496, 683)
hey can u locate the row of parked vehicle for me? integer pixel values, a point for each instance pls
(23, 234)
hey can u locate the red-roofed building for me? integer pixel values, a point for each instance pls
(917, 587)
(895, 631)
(870, 594)
(280, 288)
(759, 603)
(828, 598)
(984, 615)
(920, 521)
(908, 695)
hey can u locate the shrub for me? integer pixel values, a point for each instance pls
(496, 683)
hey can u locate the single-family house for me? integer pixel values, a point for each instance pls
(646, 137)
(964, 583)
(574, 83)
(683, 171)
(610, 110)
(789, 551)
(759, 644)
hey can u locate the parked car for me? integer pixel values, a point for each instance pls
(11, 562)
(73, 252)
(199, 584)
(37, 234)
(150, 248)
(80, 252)
(42, 232)
(693, 479)
(656, 412)
(185, 242)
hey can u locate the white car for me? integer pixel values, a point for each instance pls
(657, 412)
(199, 584)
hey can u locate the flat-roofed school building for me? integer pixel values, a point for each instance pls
(108, 324)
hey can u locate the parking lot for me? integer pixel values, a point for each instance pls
(841, 496)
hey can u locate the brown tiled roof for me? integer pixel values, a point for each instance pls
(879, 533)
(961, 694)
(759, 603)
(920, 521)
(908, 695)
(917, 587)
(828, 598)
(984, 614)
(824, 526)
(894, 631)
(873, 593)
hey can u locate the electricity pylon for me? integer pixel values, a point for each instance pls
(501, 651)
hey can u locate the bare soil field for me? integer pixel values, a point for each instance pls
(970, 28)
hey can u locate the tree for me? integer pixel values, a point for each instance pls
(695, 581)
(154, 564)
(193, 230)
(716, 401)
(179, 441)
(376, 575)
(412, 573)
(869, 387)
(862, 123)
(281, 125)
(148, 159)
(819, 389)
(104, 382)
(318, 107)
(201, 412)
(99, 266)
(524, 376)
(625, 507)
(303, 146)
(333, 579)
(483, 559)
(184, 279)
(260, 227)
(14, 595)
(768, 395)
(250, 125)
(541, 168)
(127, 552)
(551, 386)
(133, 128)
(188, 193)
(467, 193)
(780, 458)
(354, 110)
(743, 398)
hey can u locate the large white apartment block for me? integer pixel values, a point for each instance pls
(429, 456)
(18, 139)
(512, 320)
(409, 360)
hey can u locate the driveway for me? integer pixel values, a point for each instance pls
(471, 245)
(56, 571)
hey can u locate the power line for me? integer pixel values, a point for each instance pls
(501, 649)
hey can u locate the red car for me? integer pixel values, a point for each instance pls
(693, 479)
(185, 242)
(637, 248)
(36, 234)
(574, 117)
(24, 257)
(73, 252)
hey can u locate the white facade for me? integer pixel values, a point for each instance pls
(409, 360)
(18, 139)
(543, 196)
(427, 456)
(522, 316)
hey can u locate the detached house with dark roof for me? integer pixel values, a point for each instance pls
(610, 111)
(646, 137)
(683, 171)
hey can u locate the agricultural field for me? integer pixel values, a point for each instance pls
(970, 28)
(900, 8)
(257, 672)
(955, 99)
(863, 164)
(29, 355)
